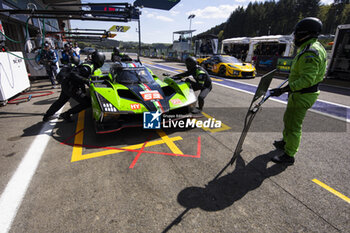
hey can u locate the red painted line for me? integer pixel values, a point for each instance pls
(180, 155)
(138, 156)
(132, 150)
(170, 154)
(67, 139)
(141, 151)
(199, 147)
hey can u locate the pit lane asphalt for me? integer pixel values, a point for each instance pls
(174, 193)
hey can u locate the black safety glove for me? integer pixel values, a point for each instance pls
(279, 91)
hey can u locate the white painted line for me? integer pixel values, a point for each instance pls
(276, 100)
(237, 89)
(340, 105)
(16, 188)
(285, 102)
(236, 81)
(329, 115)
(162, 68)
(253, 85)
(320, 100)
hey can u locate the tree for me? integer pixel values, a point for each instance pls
(280, 17)
(308, 8)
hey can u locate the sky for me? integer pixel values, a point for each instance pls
(157, 26)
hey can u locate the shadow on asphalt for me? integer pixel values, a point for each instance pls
(18, 114)
(223, 192)
(335, 86)
(45, 101)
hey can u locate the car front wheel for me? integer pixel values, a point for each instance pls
(222, 71)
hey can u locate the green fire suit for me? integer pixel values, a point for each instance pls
(308, 69)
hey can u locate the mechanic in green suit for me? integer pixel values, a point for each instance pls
(307, 71)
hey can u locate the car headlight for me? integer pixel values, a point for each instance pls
(108, 107)
(105, 105)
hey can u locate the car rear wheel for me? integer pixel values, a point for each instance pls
(222, 71)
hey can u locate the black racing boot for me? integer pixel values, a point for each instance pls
(283, 158)
(196, 111)
(48, 118)
(66, 116)
(279, 144)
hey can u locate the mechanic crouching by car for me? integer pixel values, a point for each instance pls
(202, 83)
(73, 80)
(48, 58)
(307, 71)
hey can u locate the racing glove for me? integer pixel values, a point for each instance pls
(279, 91)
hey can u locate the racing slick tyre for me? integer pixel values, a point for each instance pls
(222, 71)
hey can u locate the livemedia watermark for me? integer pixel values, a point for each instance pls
(268, 119)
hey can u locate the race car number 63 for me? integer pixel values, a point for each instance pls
(151, 95)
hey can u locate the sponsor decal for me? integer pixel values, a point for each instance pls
(135, 106)
(116, 28)
(17, 60)
(151, 95)
(176, 101)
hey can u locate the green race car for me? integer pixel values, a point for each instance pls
(130, 89)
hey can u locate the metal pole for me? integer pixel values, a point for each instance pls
(78, 18)
(98, 30)
(139, 25)
(90, 4)
(191, 34)
(190, 18)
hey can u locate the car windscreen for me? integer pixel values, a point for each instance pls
(229, 60)
(106, 67)
(134, 75)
